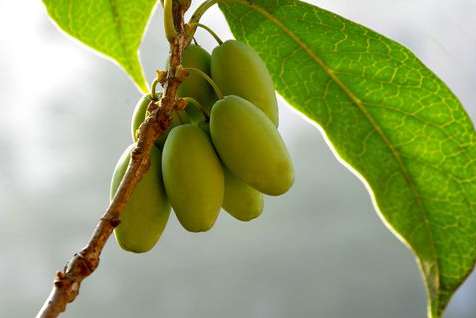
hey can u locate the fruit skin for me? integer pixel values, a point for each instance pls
(250, 145)
(240, 200)
(238, 70)
(193, 177)
(144, 218)
(177, 118)
(194, 85)
(139, 114)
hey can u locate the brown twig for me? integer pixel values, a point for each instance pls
(67, 282)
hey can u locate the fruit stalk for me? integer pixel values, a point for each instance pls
(68, 281)
(197, 15)
(202, 74)
(169, 25)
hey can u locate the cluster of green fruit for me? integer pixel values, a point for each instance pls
(219, 152)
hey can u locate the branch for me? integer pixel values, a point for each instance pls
(67, 282)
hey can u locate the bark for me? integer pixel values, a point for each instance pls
(68, 281)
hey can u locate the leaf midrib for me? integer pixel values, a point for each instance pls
(360, 105)
(117, 21)
(118, 30)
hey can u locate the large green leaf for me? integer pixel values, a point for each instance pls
(112, 27)
(389, 117)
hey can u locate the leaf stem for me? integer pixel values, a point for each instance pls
(208, 79)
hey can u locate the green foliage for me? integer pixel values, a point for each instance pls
(112, 27)
(388, 117)
(193, 177)
(250, 145)
(144, 218)
(238, 70)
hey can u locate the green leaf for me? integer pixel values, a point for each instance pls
(388, 117)
(112, 27)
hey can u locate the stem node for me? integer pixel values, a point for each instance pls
(67, 283)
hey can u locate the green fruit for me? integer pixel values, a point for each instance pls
(139, 114)
(240, 200)
(178, 118)
(205, 126)
(250, 145)
(144, 218)
(194, 113)
(193, 177)
(194, 85)
(238, 70)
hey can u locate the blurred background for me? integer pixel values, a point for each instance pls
(318, 251)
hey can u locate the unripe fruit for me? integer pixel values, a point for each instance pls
(250, 145)
(140, 113)
(193, 177)
(144, 218)
(194, 114)
(194, 85)
(238, 70)
(240, 200)
(178, 118)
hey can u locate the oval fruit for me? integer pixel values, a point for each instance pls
(240, 200)
(139, 114)
(194, 85)
(238, 70)
(193, 177)
(144, 218)
(250, 145)
(178, 118)
(194, 113)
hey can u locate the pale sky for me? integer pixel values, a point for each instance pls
(319, 251)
